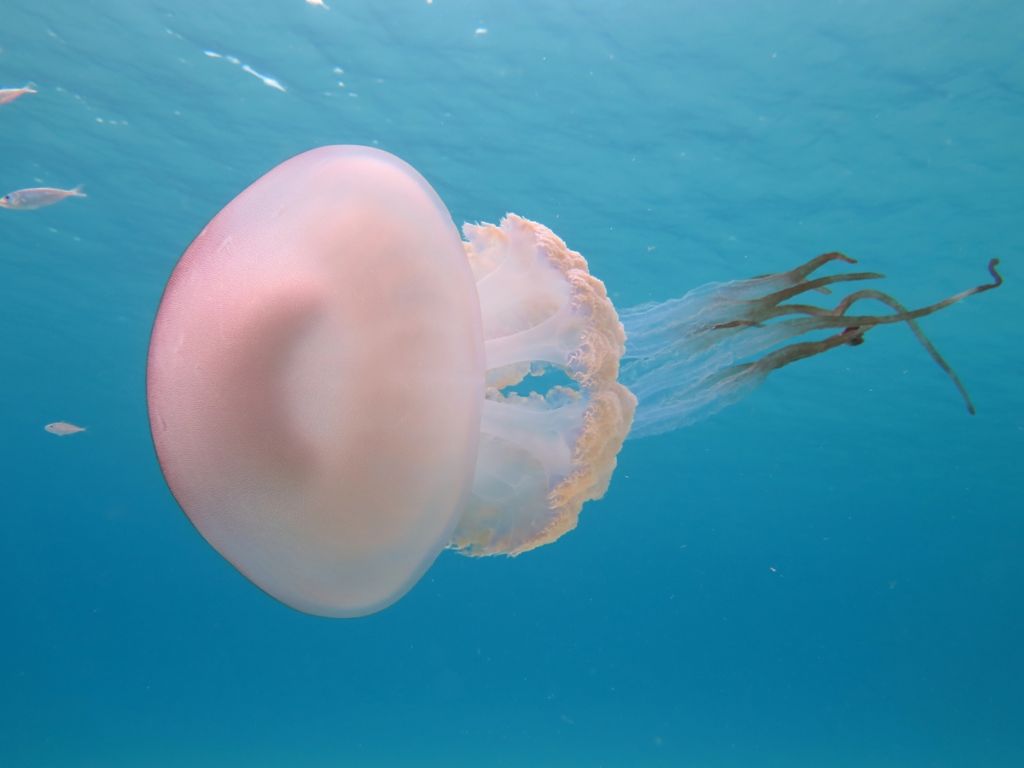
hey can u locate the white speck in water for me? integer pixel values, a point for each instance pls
(267, 81)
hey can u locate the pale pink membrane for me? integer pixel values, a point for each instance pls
(542, 454)
(315, 380)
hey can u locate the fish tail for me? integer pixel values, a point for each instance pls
(77, 191)
(31, 87)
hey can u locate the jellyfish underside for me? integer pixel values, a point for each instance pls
(544, 451)
(690, 357)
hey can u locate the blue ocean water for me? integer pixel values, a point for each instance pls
(827, 574)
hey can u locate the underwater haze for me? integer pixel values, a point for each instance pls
(828, 574)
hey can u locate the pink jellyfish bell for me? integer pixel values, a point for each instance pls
(316, 379)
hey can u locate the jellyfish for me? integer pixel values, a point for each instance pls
(340, 387)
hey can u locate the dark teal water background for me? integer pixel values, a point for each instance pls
(828, 574)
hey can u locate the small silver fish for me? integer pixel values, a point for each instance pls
(37, 197)
(7, 95)
(63, 428)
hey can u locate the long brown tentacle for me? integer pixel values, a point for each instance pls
(798, 274)
(689, 368)
(835, 318)
(924, 341)
(854, 326)
(774, 299)
(793, 352)
(819, 284)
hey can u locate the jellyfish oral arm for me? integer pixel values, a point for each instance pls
(542, 454)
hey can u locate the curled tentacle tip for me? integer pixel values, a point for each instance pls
(992, 264)
(839, 256)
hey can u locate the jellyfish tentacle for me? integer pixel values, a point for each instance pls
(782, 357)
(797, 274)
(813, 265)
(708, 365)
(925, 342)
(763, 308)
(817, 284)
(736, 324)
(774, 299)
(683, 321)
(910, 317)
(836, 317)
(997, 280)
